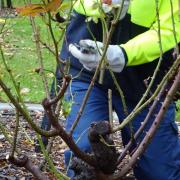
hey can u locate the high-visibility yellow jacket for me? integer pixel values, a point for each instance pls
(145, 47)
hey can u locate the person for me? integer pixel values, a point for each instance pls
(133, 55)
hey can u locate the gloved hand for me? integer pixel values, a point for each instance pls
(89, 54)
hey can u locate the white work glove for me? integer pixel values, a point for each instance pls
(107, 6)
(89, 54)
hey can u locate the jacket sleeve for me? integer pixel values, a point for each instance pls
(145, 47)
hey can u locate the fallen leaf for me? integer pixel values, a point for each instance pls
(1, 136)
(24, 91)
(1, 145)
(2, 21)
(3, 163)
(37, 9)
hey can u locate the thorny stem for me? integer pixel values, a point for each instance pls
(22, 109)
(39, 55)
(110, 108)
(15, 133)
(27, 164)
(25, 113)
(109, 145)
(48, 149)
(179, 9)
(147, 139)
(125, 109)
(97, 70)
(12, 79)
(66, 81)
(155, 72)
(58, 61)
(170, 73)
(45, 152)
(174, 29)
(47, 47)
(6, 134)
(140, 130)
(66, 137)
(105, 34)
(68, 19)
(159, 62)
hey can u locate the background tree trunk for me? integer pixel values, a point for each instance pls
(8, 4)
(1, 4)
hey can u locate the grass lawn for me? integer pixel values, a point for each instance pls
(178, 111)
(20, 53)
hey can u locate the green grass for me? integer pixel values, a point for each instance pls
(20, 53)
(17, 3)
(21, 56)
(178, 111)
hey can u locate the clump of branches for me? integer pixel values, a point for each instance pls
(104, 160)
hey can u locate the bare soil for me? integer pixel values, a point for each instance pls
(26, 138)
(8, 13)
